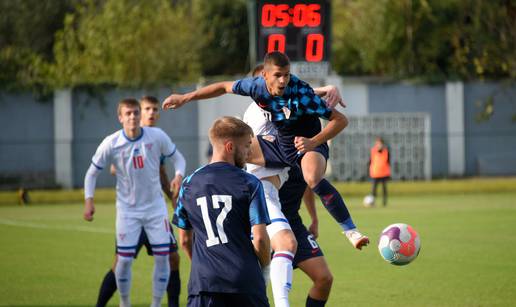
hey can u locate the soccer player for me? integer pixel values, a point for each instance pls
(149, 118)
(283, 240)
(294, 109)
(221, 206)
(136, 152)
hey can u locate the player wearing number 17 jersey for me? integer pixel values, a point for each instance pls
(221, 206)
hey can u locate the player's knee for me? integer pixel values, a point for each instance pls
(125, 262)
(174, 261)
(324, 281)
(312, 180)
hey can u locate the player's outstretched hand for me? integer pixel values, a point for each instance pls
(303, 144)
(333, 97)
(173, 101)
(89, 210)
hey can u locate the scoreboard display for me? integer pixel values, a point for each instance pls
(300, 29)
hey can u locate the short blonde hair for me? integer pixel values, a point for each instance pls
(128, 102)
(228, 127)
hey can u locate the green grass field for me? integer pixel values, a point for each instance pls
(50, 257)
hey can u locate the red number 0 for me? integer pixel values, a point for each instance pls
(276, 42)
(314, 47)
(138, 162)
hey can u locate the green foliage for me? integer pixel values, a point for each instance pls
(434, 40)
(225, 36)
(27, 30)
(126, 43)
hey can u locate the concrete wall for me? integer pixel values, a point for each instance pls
(490, 145)
(27, 142)
(28, 147)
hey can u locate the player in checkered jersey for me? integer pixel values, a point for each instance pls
(136, 153)
(294, 109)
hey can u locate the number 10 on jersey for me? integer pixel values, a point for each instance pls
(216, 200)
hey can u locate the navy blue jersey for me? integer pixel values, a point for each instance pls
(221, 203)
(295, 113)
(291, 194)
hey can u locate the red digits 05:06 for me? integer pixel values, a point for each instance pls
(281, 15)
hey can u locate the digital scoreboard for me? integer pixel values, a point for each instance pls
(301, 29)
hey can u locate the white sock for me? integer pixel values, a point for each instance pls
(156, 301)
(123, 279)
(160, 277)
(124, 301)
(281, 277)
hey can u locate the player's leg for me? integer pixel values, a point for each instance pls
(283, 243)
(384, 185)
(174, 282)
(128, 230)
(157, 228)
(319, 272)
(313, 166)
(108, 286)
(374, 187)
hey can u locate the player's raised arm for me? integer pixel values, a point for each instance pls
(331, 95)
(175, 101)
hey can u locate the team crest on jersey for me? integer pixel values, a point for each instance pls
(270, 138)
(148, 146)
(286, 111)
(121, 236)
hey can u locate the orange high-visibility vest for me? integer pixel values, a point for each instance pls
(379, 167)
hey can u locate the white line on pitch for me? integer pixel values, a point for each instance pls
(42, 226)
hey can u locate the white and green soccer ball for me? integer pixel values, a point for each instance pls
(368, 201)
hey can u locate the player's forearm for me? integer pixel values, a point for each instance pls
(165, 183)
(336, 124)
(185, 241)
(209, 91)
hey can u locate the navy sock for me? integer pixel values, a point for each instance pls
(107, 289)
(334, 203)
(311, 302)
(173, 289)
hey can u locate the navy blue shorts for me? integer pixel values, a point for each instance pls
(277, 155)
(307, 247)
(144, 241)
(210, 299)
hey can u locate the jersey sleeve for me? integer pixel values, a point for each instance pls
(102, 156)
(311, 103)
(167, 147)
(245, 87)
(257, 209)
(180, 218)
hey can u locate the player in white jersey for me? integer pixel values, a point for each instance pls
(135, 152)
(283, 241)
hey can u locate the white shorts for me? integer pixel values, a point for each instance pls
(263, 172)
(130, 225)
(278, 220)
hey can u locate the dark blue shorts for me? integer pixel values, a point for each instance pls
(307, 247)
(277, 155)
(144, 241)
(210, 299)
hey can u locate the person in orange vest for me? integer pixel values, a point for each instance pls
(380, 167)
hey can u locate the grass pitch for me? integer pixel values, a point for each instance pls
(49, 256)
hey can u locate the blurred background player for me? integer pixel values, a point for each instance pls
(220, 205)
(136, 154)
(283, 240)
(149, 118)
(294, 109)
(379, 168)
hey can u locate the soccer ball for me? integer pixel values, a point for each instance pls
(399, 244)
(369, 201)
